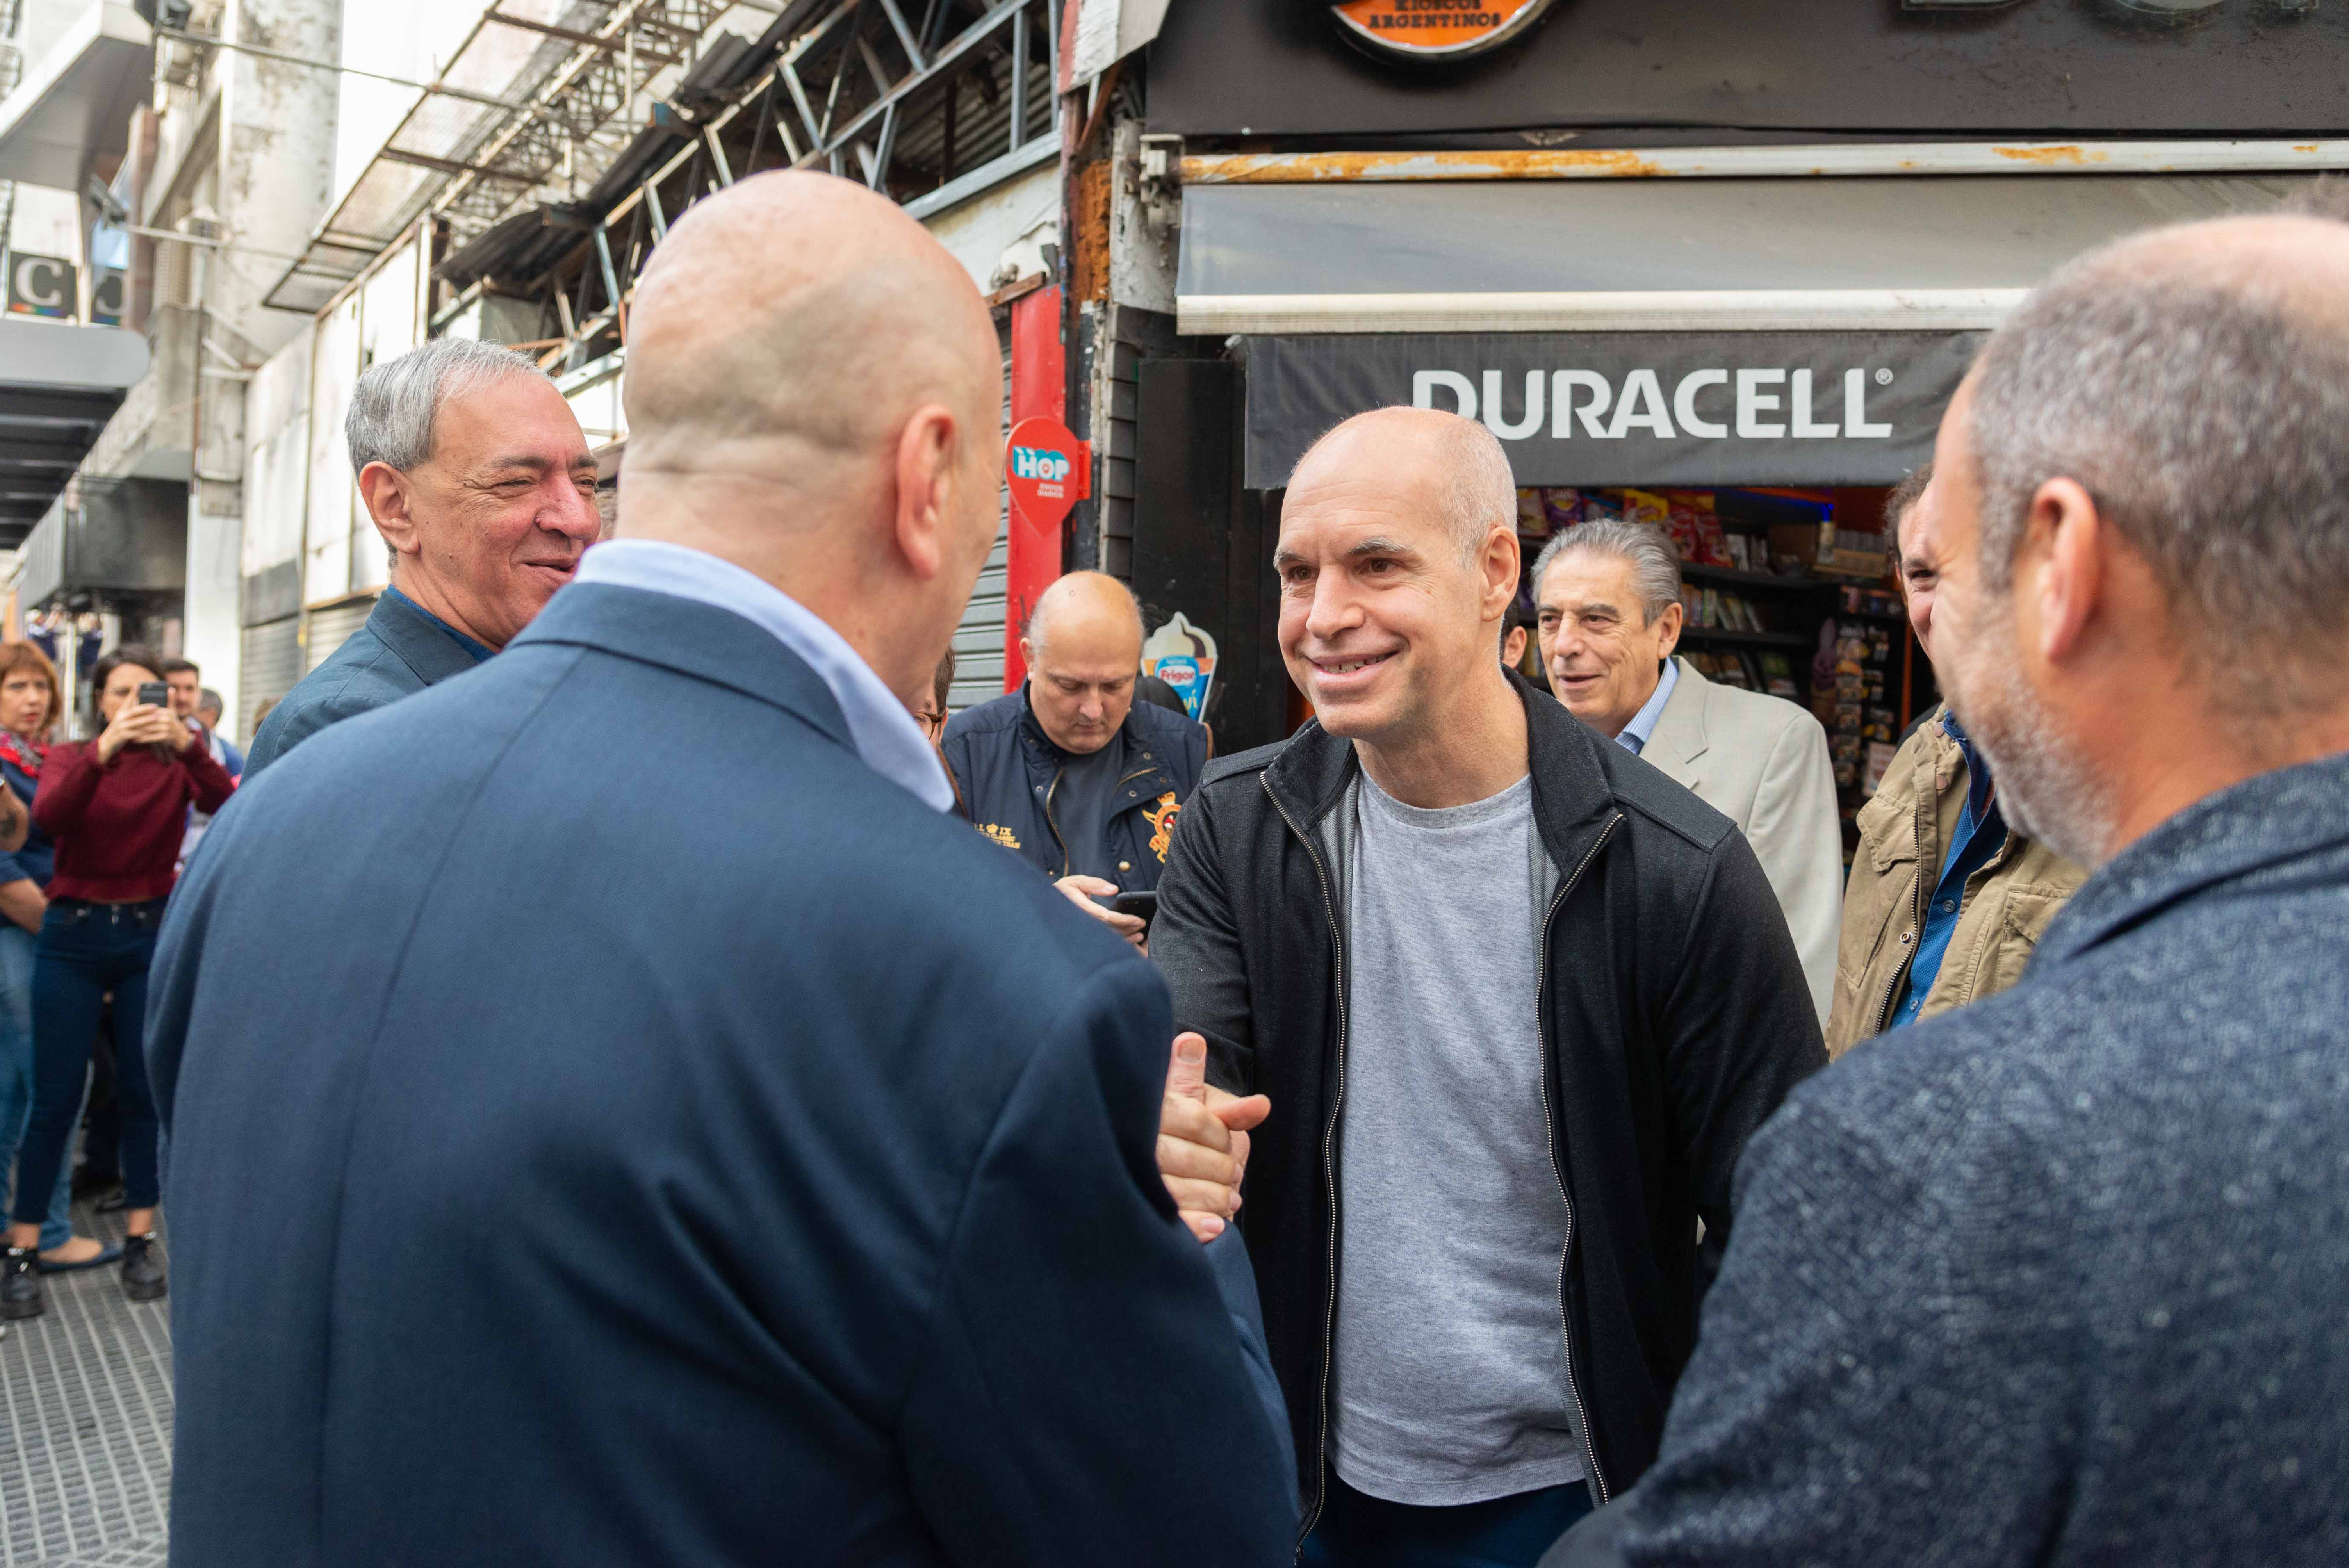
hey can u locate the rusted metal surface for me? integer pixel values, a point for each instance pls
(1764, 162)
(1310, 168)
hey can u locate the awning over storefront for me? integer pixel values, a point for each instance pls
(1849, 254)
(74, 105)
(1628, 331)
(1627, 408)
(59, 384)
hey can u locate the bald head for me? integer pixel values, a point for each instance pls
(1397, 560)
(1082, 649)
(2195, 381)
(1091, 607)
(1453, 467)
(813, 393)
(789, 326)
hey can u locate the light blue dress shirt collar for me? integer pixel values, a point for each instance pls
(885, 735)
(1634, 738)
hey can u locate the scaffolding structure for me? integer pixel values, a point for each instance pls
(548, 160)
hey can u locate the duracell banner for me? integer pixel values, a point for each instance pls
(1627, 408)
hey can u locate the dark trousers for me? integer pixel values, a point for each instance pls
(1359, 1531)
(102, 1118)
(85, 951)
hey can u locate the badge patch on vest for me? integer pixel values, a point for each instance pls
(1000, 835)
(1161, 821)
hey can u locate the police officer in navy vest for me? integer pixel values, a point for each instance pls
(1070, 770)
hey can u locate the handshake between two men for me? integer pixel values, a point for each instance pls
(1202, 1139)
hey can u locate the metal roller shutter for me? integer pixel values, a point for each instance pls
(979, 639)
(270, 663)
(331, 627)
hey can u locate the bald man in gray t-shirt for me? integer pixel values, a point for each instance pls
(1450, 1351)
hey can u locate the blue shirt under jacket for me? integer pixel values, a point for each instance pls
(1982, 833)
(1634, 738)
(698, 1152)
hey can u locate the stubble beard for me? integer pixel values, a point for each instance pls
(2046, 792)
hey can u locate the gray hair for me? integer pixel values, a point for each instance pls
(396, 402)
(1655, 561)
(2205, 420)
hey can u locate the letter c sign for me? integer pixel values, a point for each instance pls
(42, 285)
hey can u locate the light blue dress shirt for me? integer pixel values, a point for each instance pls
(885, 735)
(1634, 738)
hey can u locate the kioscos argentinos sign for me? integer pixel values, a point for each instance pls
(1627, 408)
(1436, 29)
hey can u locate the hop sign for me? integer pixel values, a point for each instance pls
(1048, 470)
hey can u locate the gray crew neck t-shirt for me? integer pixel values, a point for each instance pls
(1450, 1368)
(1081, 808)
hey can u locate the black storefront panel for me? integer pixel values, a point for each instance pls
(2024, 67)
(1627, 408)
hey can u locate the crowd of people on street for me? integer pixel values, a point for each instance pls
(640, 1082)
(107, 826)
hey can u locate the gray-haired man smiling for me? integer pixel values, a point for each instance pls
(475, 473)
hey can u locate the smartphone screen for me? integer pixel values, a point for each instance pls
(155, 693)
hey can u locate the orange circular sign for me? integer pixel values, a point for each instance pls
(1436, 29)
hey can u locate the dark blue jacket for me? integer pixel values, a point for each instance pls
(399, 652)
(2056, 1278)
(1004, 766)
(693, 1151)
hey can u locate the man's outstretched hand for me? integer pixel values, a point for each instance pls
(1202, 1139)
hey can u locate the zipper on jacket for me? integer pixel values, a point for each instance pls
(1052, 826)
(1541, 1028)
(1328, 1173)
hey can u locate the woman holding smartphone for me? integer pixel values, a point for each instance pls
(118, 808)
(29, 709)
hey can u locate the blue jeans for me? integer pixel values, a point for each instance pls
(1359, 1531)
(86, 950)
(17, 1073)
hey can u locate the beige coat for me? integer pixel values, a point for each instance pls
(2005, 909)
(1762, 761)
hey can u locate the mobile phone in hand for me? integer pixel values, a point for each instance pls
(155, 693)
(1142, 903)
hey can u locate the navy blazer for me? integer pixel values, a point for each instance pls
(611, 1124)
(398, 652)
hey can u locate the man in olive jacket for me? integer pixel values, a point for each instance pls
(1913, 946)
(1516, 999)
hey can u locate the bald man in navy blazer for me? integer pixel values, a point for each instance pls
(618, 1117)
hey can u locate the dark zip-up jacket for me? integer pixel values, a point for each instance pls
(1006, 768)
(1674, 1017)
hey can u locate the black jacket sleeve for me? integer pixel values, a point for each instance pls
(1739, 1030)
(1196, 941)
(1087, 1392)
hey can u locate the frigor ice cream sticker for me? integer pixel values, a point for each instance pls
(1182, 657)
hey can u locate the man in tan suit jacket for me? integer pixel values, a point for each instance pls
(1609, 601)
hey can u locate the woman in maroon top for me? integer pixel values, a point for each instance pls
(117, 807)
